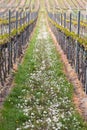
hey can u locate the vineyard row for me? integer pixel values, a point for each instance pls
(14, 42)
(73, 46)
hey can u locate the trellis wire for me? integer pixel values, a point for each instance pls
(75, 52)
(11, 51)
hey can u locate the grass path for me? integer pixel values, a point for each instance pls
(42, 96)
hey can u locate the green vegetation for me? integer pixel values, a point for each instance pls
(74, 22)
(82, 41)
(42, 96)
(6, 38)
(10, 115)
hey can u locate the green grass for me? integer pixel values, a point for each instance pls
(10, 115)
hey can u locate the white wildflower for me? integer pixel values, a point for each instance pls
(18, 128)
(27, 126)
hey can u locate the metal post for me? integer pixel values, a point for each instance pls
(70, 22)
(86, 82)
(28, 17)
(24, 17)
(16, 46)
(77, 55)
(86, 72)
(61, 19)
(9, 44)
(78, 31)
(20, 18)
(86, 19)
(16, 20)
(9, 22)
(64, 20)
(1, 68)
(1, 29)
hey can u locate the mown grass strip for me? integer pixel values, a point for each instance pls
(10, 116)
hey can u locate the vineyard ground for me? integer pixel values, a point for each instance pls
(79, 97)
(9, 83)
(42, 97)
